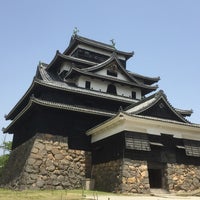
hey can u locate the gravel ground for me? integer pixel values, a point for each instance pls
(145, 197)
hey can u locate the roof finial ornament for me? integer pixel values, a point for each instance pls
(75, 31)
(113, 42)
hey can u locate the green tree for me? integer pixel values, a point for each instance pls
(6, 147)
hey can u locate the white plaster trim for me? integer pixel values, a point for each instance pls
(144, 124)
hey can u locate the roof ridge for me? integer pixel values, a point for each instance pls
(96, 43)
(161, 119)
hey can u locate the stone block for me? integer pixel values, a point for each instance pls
(55, 151)
(36, 156)
(144, 174)
(39, 145)
(34, 176)
(131, 180)
(196, 182)
(61, 178)
(59, 156)
(31, 161)
(126, 173)
(38, 162)
(49, 163)
(48, 147)
(34, 150)
(40, 183)
(55, 182)
(66, 184)
(59, 187)
(50, 168)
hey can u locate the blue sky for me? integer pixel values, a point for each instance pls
(165, 36)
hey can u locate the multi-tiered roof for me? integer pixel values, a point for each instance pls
(83, 86)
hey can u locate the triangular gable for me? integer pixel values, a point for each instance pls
(112, 65)
(158, 106)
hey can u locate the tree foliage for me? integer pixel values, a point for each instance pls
(6, 147)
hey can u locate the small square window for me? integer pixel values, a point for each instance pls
(111, 72)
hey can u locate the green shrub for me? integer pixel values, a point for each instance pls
(6, 146)
(3, 161)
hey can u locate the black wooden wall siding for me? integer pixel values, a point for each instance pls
(142, 146)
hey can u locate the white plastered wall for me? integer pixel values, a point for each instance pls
(99, 85)
(119, 75)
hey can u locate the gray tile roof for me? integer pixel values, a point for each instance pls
(74, 108)
(147, 103)
(77, 39)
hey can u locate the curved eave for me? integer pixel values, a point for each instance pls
(147, 80)
(25, 97)
(34, 101)
(60, 58)
(186, 113)
(81, 40)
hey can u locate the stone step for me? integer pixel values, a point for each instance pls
(156, 191)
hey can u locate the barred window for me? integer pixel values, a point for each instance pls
(137, 141)
(192, 148)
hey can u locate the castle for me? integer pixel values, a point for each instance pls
(87, 119)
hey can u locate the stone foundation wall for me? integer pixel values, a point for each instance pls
(182, 177)
(46, 162)
(135, 177)
(48, 165)
(15, 165)
(124, 176)
(107, 176)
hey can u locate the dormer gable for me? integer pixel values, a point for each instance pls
(112, 68)
(157, 106)
(60, 59)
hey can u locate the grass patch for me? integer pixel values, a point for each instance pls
(49, 194)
